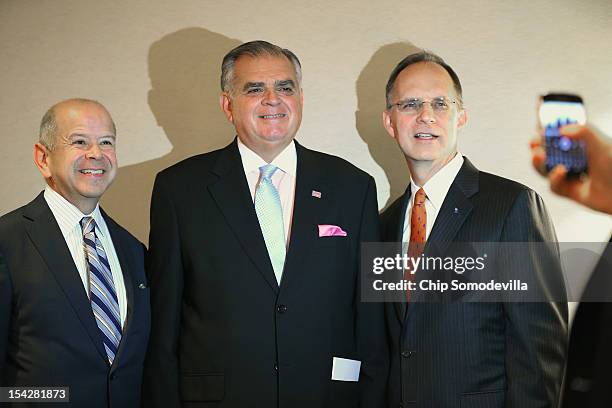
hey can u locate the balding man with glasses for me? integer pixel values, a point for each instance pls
(478, 354)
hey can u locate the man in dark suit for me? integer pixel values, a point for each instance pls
(468, 354)
(74, 308)
(587, 382)
(253, 263)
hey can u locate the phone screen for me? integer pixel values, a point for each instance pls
(557, 110)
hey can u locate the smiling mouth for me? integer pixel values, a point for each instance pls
(95, 172)
(275, 116)
(425, 136)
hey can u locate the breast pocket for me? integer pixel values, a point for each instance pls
(331, 265)
(323, 242)
(331, 253)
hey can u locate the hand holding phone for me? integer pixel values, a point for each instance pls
(594, 189)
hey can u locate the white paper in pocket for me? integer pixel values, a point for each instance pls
(345, 369)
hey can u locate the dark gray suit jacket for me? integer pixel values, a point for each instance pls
(462, 354)
(224, 333)
(48, 333)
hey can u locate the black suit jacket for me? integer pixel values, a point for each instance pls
(587, 383)
(224, 333)
(462, 354)
(48, 333)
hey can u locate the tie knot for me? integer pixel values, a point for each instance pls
(267, 171)
(419, 198)
(88, 224)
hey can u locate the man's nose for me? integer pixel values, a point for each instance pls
(426, 113)
(94, 152)
(270, 97)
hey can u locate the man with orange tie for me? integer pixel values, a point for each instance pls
(487, 354)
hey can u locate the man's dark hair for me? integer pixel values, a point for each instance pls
(255, 49)
(422, 56)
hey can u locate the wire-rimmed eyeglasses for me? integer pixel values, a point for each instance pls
(415, 105)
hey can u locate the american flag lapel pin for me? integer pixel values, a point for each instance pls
(316, 194)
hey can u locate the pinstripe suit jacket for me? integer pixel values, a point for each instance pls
(478, 354)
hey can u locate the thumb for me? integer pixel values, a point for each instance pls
(579, 132)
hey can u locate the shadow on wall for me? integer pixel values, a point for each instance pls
(184, 68)
(368, 117)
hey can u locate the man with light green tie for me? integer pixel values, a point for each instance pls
(254, 260)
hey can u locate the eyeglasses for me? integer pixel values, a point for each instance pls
(415, 105)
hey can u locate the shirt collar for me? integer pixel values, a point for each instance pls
(438, 185)
(286, 161)
(67, 215)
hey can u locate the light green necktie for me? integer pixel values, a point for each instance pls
(270, 215)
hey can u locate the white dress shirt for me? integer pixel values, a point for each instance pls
(68, 218)
(283, 178)
(435, 189)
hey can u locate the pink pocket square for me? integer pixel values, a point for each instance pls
(331, 231)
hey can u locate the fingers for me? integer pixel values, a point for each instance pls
(558, 182)
(536, 142)
(538, 156)
(570, 188)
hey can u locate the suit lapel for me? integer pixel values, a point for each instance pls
(231, 193)
(396, 221)
(127, 267)
(43, 230)
(307, 211)
(454, 211)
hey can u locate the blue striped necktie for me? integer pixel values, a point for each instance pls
(270, 215)
(102, 291)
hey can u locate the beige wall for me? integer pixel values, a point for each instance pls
(155, 65)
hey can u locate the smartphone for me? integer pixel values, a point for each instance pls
(557, 110)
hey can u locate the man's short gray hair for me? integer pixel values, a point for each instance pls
(255, 49)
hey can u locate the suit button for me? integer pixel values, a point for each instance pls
(113, 376)
(407, 353)
(281, 308)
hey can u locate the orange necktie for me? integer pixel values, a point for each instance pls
(418, 230)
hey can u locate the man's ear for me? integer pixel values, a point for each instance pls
(226, 106)
(462, 118)
(41, 159)
(386, 117)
